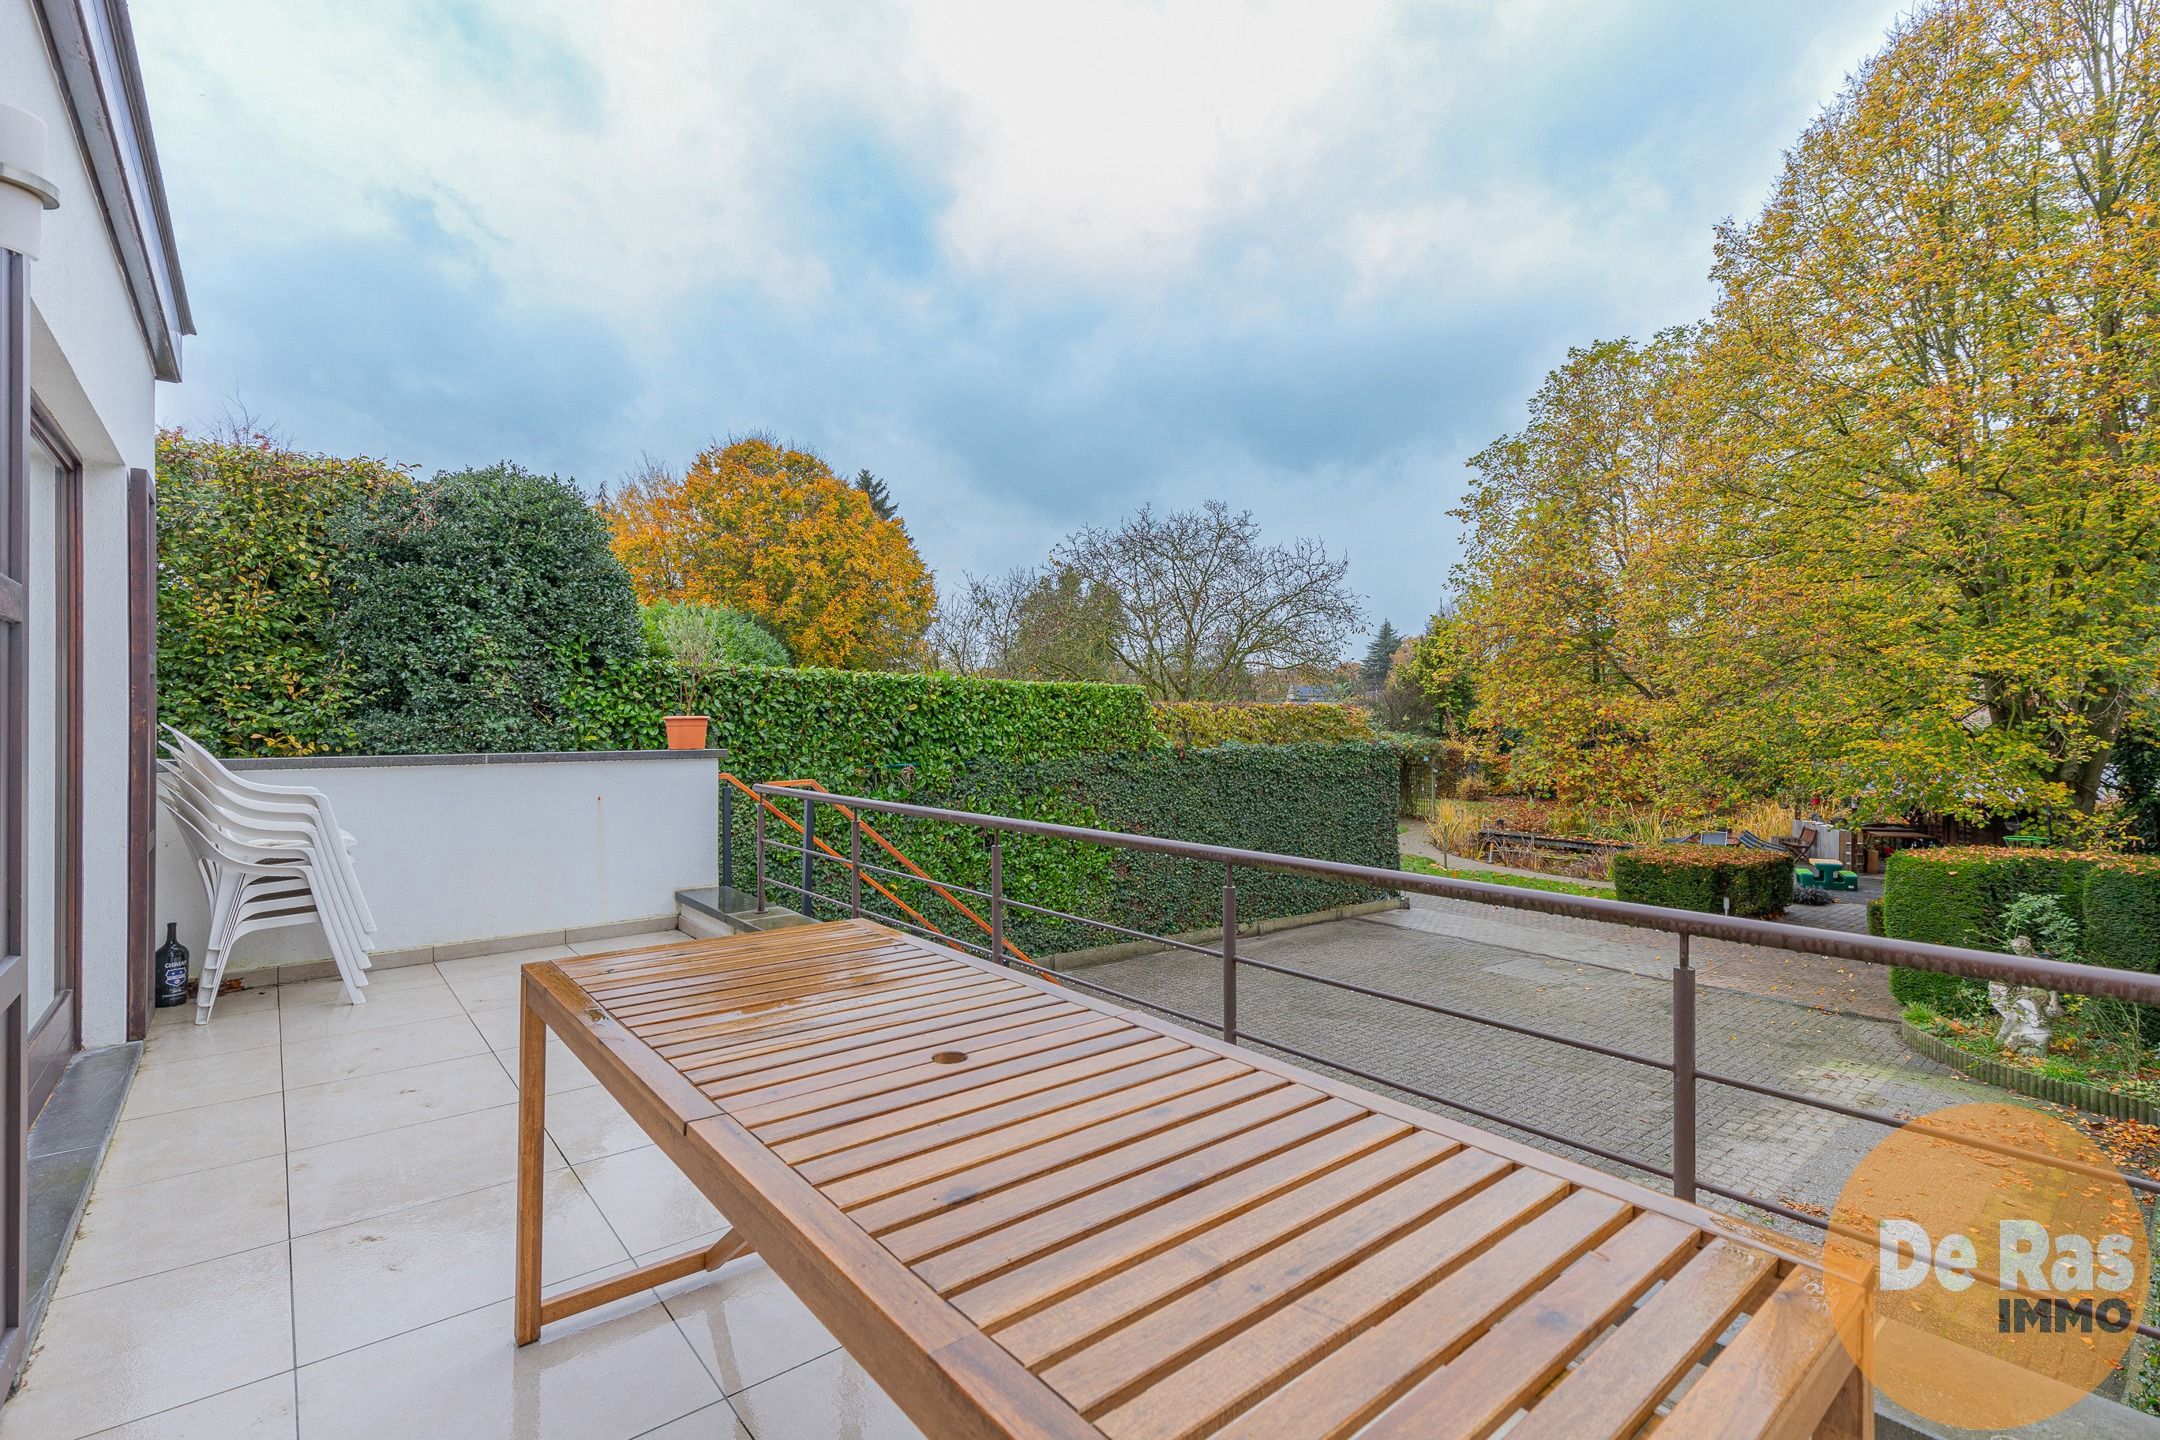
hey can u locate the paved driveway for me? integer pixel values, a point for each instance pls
(1570, 979)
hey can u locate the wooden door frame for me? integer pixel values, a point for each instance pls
(14, 773)
(142, 747)
(56, 1035)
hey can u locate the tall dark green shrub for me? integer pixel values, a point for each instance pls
(2134, 767)
(470, 608)
(1705, 877)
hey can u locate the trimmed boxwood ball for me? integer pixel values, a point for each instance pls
(1705, 877)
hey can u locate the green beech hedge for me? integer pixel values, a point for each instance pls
(1956, 896)
(247, 660)
(1334, 802)
(1704, 877)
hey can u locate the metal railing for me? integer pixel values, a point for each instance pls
(1685, 926)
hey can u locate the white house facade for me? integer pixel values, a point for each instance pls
(92, 311)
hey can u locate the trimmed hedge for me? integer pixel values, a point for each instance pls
(246, 658)
(1956, 896)
(861, 731)
(1199, 724)
(1334, 802)
(2122, 914)
(1704, 877)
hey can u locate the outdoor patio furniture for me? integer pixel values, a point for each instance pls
(1027, 1212)
(2028, 842)
(269, 856)
(1831, 875)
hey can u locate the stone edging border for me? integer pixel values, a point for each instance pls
(2028, 1082)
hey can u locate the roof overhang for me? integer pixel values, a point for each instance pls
(93, 54)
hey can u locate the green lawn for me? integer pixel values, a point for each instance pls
(1423, 866)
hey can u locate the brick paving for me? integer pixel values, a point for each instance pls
(1583, 982)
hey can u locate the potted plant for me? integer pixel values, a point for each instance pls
(698, 648)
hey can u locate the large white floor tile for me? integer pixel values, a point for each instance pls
(612, 1374)
(744, 1322)
(385, 1007)
(366, 1282)
(504, 962)
(231, 1005)
(647, 1200)
(162, 1146)
(343, 1109)
(225, 1033)
(489, 991)
(131, 1231)
(714, 1422)
(329, 992)
(828, 1399)
(565, 1071)
(207, 1080)
(590, 1123)
(371, 1052)
(265, 1410)
(132, 1350)
(374, 1174)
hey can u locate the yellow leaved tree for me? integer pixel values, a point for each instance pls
(774, 532)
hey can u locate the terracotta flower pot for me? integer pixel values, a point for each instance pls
(686, 732)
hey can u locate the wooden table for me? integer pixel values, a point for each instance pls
(1030, 1213)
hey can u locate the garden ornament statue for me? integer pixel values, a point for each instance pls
(2025, 1009)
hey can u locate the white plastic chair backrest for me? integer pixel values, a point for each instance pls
(283, 851)
(273, 808)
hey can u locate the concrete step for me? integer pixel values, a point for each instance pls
(716, 910)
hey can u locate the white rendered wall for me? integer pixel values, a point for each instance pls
(487, 847)
(90, 368)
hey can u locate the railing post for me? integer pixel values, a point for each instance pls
(809, 864)
(727, 840)
(757, 844)
(997, 899)
(1229, 955)
(854, 856)
(1683, 1076)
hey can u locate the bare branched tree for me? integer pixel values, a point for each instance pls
(978, 621)
(1204, 603)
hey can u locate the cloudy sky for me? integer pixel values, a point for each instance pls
(1034, 264)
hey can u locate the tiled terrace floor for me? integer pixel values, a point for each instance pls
(304, 1228)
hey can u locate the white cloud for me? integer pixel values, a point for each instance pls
(1310, 254)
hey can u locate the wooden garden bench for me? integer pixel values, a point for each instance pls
(1029, 1213)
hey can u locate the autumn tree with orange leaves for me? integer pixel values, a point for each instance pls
(774, 532)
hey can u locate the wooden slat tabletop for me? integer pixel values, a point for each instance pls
(1028, 1212)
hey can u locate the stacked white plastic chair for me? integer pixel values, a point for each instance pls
(270, 855)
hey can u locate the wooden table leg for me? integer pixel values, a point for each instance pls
(532, 1150)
